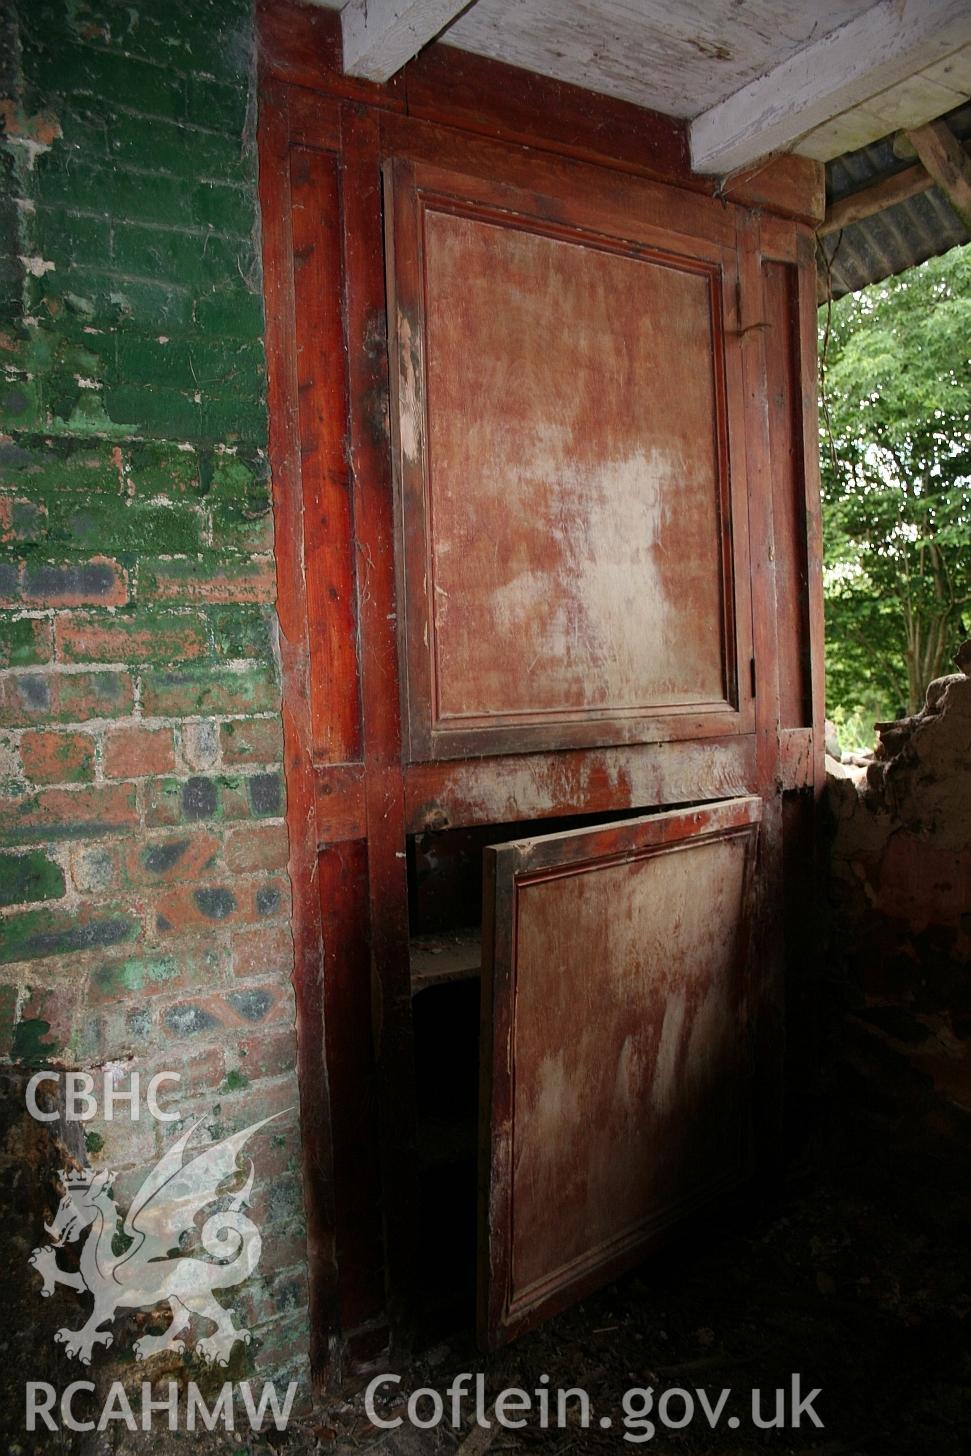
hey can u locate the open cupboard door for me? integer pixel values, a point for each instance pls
(616, 1047)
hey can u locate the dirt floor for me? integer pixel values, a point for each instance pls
(854, 1273)
(856, 1276)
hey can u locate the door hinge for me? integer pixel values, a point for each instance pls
(752, 671)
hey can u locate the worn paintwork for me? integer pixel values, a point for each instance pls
(615, 1088)
(581, 781)
(570, 547)
(575, 172)
(575, 552)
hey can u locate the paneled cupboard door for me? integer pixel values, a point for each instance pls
(616, 1047)
(569, 470)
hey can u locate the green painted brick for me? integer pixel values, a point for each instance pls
(136, 974)
(231, 416)
(155, 411)
(83, 129)
(8, 1012)
(72, 238)
(192, 260)
(245, 526)
(30, 876)
(180, 151)
(209, 35)
(240, 479)
(217, 104)
(215, 36)
(113, 526)
(203, 690)
(230, 311)
(24, 641)
(21, 405)
(242, 632)
(226, 208)
(41, 464)
(33, 1042)
(28, 522)
(158, 468)
(121, 193)
(187, 364)
(87, 69)
(112, 301)
(36, 934)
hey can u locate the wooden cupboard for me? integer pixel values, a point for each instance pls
(543, 444)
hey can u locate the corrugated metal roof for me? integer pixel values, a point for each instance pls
(888, 242)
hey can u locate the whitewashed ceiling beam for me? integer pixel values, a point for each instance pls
(380, 36)
(888, 42)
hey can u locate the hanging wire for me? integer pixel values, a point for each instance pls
(828, 261)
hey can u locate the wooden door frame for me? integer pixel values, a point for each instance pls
(321, 132)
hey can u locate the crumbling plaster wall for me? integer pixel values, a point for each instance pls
(901, 857)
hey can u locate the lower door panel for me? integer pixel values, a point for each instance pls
(615, 1049)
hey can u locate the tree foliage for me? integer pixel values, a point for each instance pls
(896, 474)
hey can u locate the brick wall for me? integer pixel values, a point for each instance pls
(143, 863)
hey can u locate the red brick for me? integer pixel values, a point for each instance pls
(246, 1009)
(133, 753)
(150, 973)
(98, 582)
(265, 1056)
(97, 639)
(283, 1247)
(267, 1100)
(84, 695)
(96, 868)
(251, 579)
(49, 1013)
(267, 952)
(193, 692)
(257, 847)
(84, 813)
(282, 1294)
(235, 800)
(252, 740)
(57, 758)
(169, 858)
(209, 907)
(68, 697)
(199, 1070)
(277, 1202)
(162, 803)
(25, 697)
(205, 1069)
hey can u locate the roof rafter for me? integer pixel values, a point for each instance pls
(947, 162)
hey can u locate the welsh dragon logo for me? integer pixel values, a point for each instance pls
(150, 1268)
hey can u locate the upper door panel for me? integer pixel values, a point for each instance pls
(571, 506)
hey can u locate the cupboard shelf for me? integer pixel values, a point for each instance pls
(437, 960)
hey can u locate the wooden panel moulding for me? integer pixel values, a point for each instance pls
(573, 564)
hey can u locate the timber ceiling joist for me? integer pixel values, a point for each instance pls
(750, 80)
(835, 80)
